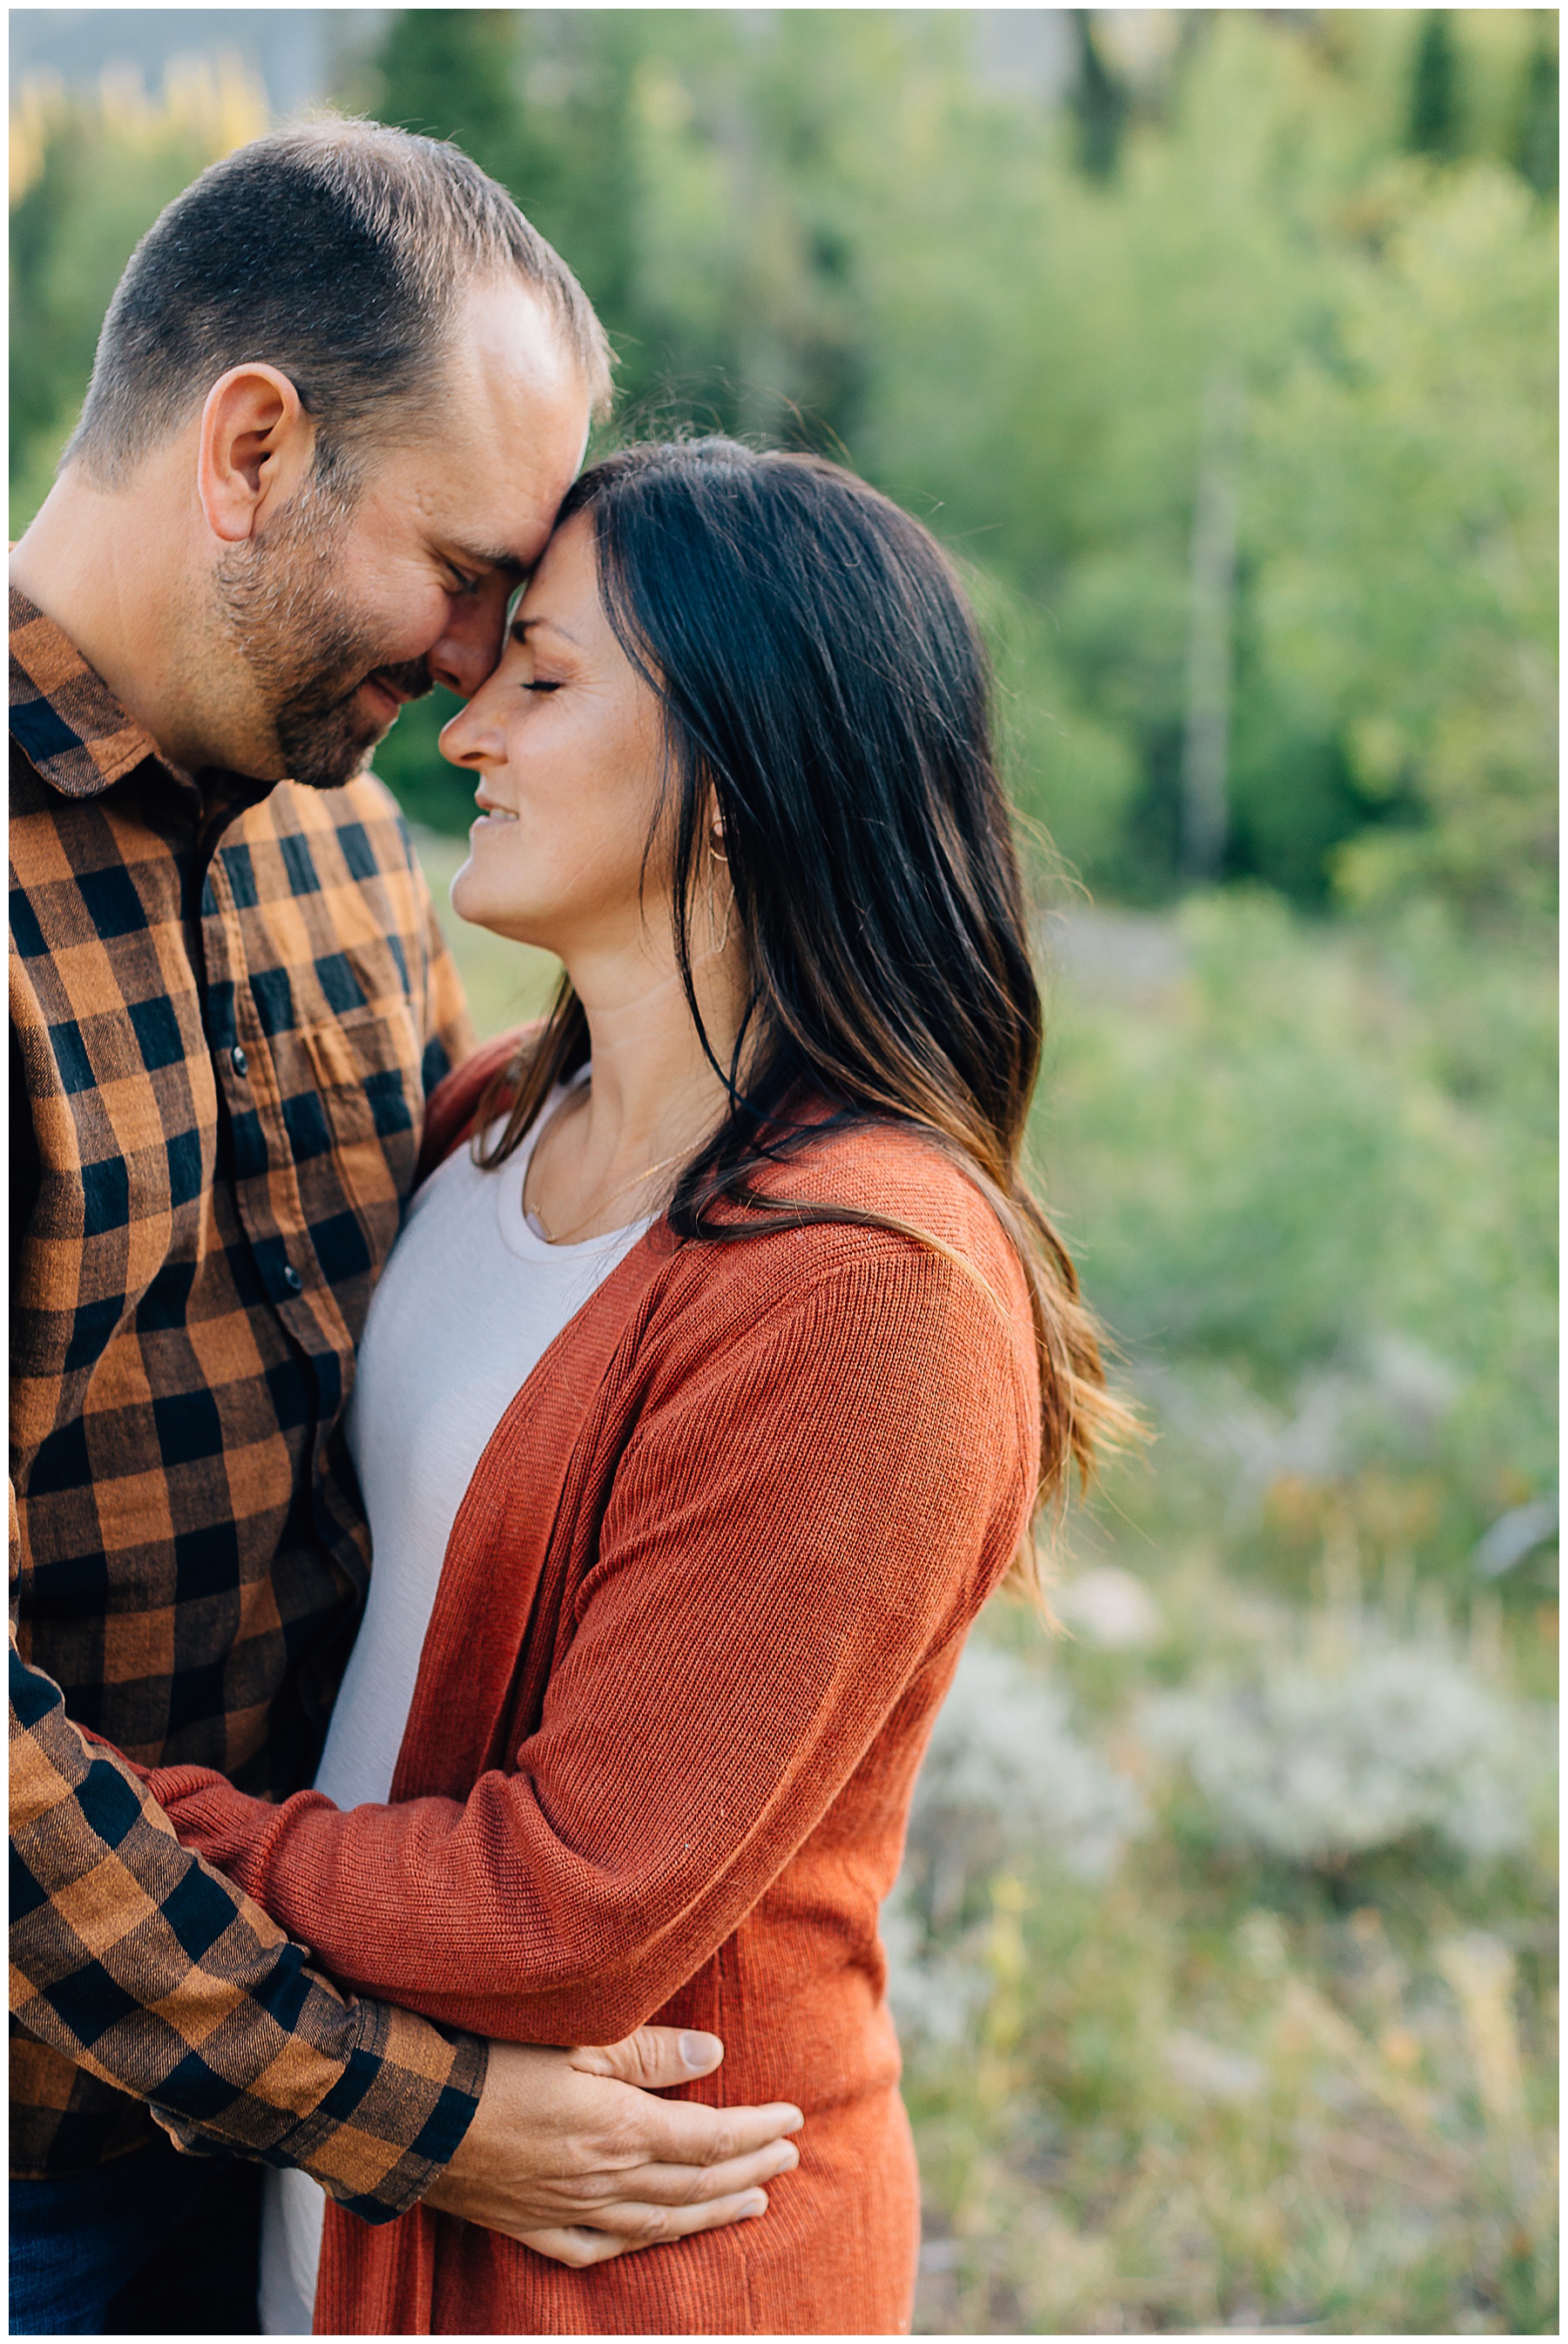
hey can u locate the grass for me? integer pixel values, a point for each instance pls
(1308, 1174)
(1216, 2090)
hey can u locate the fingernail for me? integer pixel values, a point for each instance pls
(755, 2204)
(701, 2052)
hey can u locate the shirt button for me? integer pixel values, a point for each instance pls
(239, 1060)
(292, 1279)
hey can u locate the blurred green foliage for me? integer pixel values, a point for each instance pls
(70, 235)
(89, 173)
(1195, 2098)
(1310, 1174)
(847, 229)
(1306, 1171)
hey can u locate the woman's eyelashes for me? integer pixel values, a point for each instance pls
(542, 683)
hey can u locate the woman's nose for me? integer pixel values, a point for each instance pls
(473, 737)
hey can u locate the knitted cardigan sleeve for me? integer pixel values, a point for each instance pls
(794, 1529)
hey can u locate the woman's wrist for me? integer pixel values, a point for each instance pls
(229, 1828)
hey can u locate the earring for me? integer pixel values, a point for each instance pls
(715, 837)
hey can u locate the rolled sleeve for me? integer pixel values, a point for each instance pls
(138, 1963)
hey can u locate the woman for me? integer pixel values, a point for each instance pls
(709, 1390)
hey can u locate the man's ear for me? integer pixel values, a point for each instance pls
(256, 448)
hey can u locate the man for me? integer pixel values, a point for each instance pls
(338, 396)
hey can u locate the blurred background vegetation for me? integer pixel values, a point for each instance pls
(1220, 349)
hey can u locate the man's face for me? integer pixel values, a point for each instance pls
(343, 607)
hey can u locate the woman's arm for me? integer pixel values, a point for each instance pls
(789, 1536)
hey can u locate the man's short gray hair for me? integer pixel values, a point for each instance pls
(338, 252)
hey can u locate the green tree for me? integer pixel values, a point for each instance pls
(1100, 101)
(451, 72)
(88, 176)
(1427, 646)
(827, 228)
(1435, 110)
(1535, 153)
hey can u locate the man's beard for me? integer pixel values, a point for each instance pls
(306, 648)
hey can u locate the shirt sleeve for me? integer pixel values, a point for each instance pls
(140, 1964)
(791, 1538)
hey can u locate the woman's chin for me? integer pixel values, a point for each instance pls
(481, 906)
(463, 895)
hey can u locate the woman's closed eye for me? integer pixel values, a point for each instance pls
(542, 683)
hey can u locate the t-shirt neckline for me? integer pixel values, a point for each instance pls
(520, 1232)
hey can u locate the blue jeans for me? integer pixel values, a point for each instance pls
(153, 2243)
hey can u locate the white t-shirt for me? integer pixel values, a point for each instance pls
(470, 1301)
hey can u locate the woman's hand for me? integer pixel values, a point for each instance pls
(569, 2153)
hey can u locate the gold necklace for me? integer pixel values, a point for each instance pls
(636, 1181)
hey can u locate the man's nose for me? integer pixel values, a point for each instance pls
(470, 642)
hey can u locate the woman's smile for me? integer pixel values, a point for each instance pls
(491, 815)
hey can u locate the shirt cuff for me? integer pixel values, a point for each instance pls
(390, 2123)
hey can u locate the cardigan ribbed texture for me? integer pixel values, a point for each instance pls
(700, 1604)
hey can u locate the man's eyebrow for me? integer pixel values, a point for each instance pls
(489, 557)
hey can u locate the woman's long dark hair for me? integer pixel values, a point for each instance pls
(825, 699)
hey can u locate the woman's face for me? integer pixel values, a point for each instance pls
(565, 742)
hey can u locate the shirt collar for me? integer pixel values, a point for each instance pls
(64, 717)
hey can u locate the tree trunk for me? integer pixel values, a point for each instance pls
(1206, 741)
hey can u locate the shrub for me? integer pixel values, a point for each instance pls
(1319, 1756)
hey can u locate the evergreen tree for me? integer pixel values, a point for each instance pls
(1537, 149)
(1100, 102)
(451, 73)
(1434, 88)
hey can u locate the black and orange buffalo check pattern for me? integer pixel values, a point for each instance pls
(226, 1015)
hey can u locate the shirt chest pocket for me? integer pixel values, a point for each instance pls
(352, 1105)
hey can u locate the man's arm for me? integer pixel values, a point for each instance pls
(150, 1970)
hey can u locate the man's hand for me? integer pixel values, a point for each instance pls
(568, 2152)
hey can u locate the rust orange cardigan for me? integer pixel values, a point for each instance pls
(700, 1603)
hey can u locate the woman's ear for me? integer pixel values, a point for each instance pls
(255, 449)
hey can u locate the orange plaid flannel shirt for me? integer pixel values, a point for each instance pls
(226, 1015)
